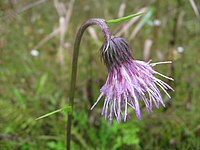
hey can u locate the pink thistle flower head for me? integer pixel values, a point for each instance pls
(129, 81)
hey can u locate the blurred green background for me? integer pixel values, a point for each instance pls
(36, 46)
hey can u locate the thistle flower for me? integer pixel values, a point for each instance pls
(129, 81)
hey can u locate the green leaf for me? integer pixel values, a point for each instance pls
(41, 84)
(20, 98)
(124, 18)
(67, 109)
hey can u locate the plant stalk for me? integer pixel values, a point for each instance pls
(104, 28)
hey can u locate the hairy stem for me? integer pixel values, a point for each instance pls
(104, 28)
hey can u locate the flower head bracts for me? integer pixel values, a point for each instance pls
(128, 82)
(115, 51)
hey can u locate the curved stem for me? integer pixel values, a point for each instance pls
(104, 28)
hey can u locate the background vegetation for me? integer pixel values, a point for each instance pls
(36, 46)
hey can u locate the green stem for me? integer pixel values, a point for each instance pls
(104, 28)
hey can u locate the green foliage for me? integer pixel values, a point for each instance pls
(113, 135)
(52, 145)
(41, 83)
(19, 97)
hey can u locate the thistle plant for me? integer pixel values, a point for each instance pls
(129, 81)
